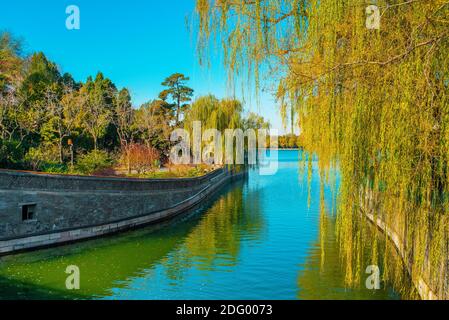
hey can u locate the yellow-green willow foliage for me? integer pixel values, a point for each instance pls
(215, 114)
(373, 102)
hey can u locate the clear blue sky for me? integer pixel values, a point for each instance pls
(136, 43)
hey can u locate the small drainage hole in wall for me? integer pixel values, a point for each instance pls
(28, 212)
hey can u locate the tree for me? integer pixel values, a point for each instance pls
(97, 104)
(153, 121)
(11, 62)
(11, 75)
(215, 113)
(40, 74)
(63, 116)
(255, 121)
(69, 83)
(124, 121)
(124, 118)
(9, 108)
(41, 77)
(178, 92)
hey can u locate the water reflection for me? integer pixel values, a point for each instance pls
(204, 242)
(270, 237)
(324, 273)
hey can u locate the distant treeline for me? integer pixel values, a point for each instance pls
(289, 141)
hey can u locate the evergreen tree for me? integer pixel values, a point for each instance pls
(178, 92)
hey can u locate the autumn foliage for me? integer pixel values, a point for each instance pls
(140, 158)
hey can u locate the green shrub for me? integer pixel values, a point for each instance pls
(54, 168)
(93, 161)
(11, 154)
(44, 158)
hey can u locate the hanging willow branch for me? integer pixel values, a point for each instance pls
(375, 102)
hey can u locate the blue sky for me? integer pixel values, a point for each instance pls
(136, 43)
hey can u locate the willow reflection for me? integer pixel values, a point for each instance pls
(325, 272)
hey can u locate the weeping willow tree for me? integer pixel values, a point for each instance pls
(214, 113)
(372, 101)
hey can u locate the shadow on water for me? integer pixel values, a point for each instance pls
(18, 290)
(207, 237)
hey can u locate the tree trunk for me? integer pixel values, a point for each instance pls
(61, 155)
(178, 111)
(177, 114)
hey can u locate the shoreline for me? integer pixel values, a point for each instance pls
(66, 209)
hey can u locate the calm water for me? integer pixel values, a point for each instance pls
(258, 239)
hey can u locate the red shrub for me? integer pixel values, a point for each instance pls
(140, 158)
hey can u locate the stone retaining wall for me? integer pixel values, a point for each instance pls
(418, 277)
(69, 208)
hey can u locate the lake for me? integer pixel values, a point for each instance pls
(262, 238)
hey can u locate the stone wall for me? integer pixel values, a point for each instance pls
(420, 279)
(69, 208)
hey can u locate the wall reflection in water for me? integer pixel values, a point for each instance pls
(206, 239)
